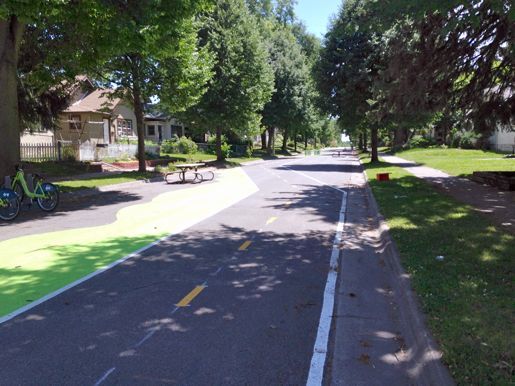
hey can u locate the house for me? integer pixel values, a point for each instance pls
(99, 124)
(160, 126)
(100, 117)
(97, 116)
(503, 139)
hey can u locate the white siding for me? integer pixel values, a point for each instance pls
(503, 140)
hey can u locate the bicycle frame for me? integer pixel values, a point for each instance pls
(20, 177)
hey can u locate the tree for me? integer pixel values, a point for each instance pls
(72, 35)
(243, 80)
(156, 55)
(62, 40)
(448, 56)
(289, 105)
(292, 51)
(347, 71)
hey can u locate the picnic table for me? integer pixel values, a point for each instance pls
(183, 168)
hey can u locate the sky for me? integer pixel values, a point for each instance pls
(315, 14)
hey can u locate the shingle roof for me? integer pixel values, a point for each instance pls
(97, 101)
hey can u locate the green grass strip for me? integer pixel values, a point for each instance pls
(460, 162)
(467, 297)
(103, 180)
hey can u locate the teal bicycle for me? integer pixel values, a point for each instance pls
(9, 204)
(45, 193)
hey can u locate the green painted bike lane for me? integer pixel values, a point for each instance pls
(34, 266)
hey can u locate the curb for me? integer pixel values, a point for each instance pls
(424, 351)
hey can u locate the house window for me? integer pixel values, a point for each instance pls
(74, 122)
(125, 127)
(176, 130)
(151, 130)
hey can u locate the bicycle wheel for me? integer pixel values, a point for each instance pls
(9, 204)
(173, 177)
(198, 178)
(190, 176)
(208, 175)
(51, 199)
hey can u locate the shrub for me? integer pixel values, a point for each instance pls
(468, 140)
(186, 146)
(454, 137)
(226, 150)
(168, 145)
(420, 141)
(68, 154)
(249, 150)
(181, 145)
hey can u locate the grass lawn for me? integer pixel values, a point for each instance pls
(240, 160)
(467, 297)
(56, 168)
(103, 180)
(459, 162)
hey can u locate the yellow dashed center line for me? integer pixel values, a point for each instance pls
(189, 297)
(271, 220)
(245, 245)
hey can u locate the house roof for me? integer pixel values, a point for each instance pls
(97, 101)
(152, 113)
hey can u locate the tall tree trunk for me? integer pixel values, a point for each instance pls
(305, 141)
(295, 140)
(373, 144)
(365, 140)
(271, 141)
(360, 142)
(11, 31)
(263, 140)
(315, 144)
(219, 155)
(285, 141)
(138, 110)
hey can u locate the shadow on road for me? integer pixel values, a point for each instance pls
(69, 203)
(251, 296)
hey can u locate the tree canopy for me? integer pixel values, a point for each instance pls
(400, 64)
(154, 54)
(242, 79)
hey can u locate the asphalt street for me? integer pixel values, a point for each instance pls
(235, 299)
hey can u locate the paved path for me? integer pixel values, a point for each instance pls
(235, 299)
(498, 206)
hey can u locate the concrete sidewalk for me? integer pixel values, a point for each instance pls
(496, 205)
(379, 336)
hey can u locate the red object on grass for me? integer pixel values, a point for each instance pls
(383, 176)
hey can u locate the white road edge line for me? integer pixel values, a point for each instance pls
(138, 252)
(316, 369)
(104, 377)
